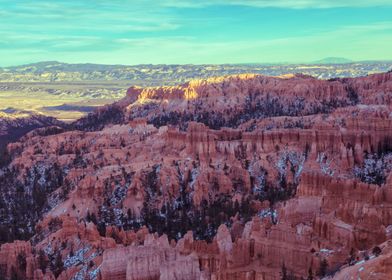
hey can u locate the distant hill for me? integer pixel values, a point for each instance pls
(153, 75)
(56, 66)
(333, 60)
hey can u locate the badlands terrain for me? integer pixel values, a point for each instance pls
(242, 176)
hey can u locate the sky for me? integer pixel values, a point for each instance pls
(193, 31)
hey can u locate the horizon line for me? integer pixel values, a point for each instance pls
(317, 62)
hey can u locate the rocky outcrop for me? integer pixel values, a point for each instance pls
(373, 89)
(14, 125)
(231, 101)
(376, 266)
(154, 260)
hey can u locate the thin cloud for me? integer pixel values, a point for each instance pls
(200, 31)
(116, 16)
(289, 4)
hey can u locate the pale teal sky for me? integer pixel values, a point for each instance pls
(204, 31)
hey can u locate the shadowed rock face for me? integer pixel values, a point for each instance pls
(14, 124)
(239, 177)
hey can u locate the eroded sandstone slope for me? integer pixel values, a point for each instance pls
(14, 124)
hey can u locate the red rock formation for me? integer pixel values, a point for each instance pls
(263, 194)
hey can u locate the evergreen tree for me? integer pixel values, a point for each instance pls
(310, 274)
(42, 261)
(14, 274)
(323, 268)
(57, 266)
(284, 272)
(22, 262)
(376, 251)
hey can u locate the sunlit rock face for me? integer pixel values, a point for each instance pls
(238, 177)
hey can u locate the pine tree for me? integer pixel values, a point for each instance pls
(22, 262)
(323, 268)
(351, 259)
(376, 251)
(14, 274)
(310, 274)
(284, 272)
(58, 265)
(42, 261)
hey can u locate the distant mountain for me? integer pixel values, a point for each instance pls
(153, 75)
(333, 60)
(56, 66)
